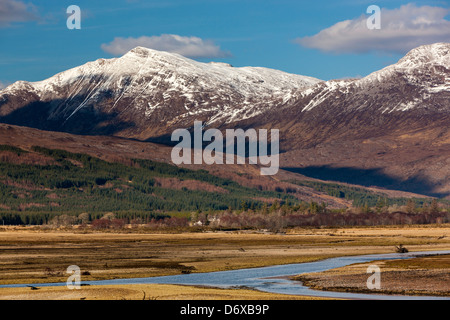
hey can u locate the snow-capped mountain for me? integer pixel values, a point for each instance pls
(411, 94)
(146, 89)
(148, 93)
(413, 80)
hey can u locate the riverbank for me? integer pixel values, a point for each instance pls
(143, 292)
(422, 276)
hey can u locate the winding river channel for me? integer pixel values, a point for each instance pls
(274, 279)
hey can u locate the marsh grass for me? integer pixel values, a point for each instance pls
(33, 256)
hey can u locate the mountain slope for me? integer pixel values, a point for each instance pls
(390, 129)
(37, 179)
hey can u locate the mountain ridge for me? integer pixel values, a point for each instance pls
(172, 80)
(168, 87)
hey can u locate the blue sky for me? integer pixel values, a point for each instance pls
(36, 44)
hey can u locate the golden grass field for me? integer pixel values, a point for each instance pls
(33, 255)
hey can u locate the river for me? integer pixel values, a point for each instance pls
(274, 279)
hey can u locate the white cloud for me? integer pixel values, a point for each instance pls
(191, 47)
(401, 30)
(16, 11)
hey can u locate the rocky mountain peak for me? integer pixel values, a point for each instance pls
(438, 53)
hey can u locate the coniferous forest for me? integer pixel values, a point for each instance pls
(79, 183)
(69, 188)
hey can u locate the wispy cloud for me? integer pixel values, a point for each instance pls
(16, 11)
(192, 47)
(401, 30)
(4, 84)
